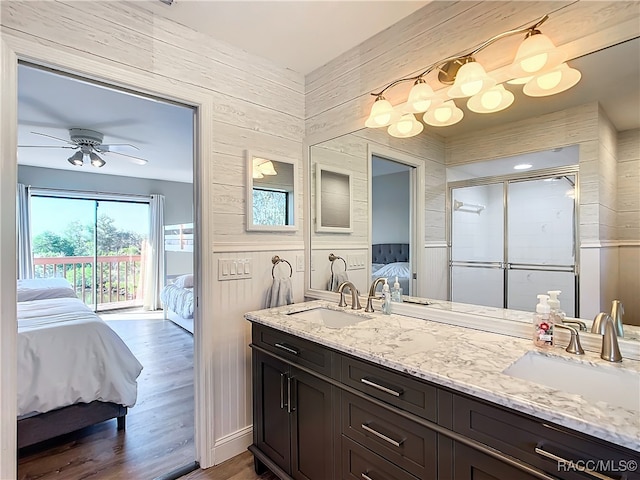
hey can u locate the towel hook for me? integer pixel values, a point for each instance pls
(333, 257)
(276, 260)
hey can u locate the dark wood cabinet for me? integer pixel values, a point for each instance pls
(320, 415)
(293, 414)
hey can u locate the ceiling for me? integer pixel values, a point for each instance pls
(51, 104)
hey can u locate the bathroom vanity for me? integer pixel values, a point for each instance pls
(343, 395)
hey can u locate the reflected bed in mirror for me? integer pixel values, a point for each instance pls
(592, 130)
(271, 192)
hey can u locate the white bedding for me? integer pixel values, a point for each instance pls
(67, 355)
(44, 288)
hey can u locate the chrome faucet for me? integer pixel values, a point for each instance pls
(355, 301)
(574, 344)
(599, 322)
(610, 349)
(581, 325)
(372, 293)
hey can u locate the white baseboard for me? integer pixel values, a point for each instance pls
(231, 445)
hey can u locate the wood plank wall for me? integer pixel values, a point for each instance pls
(257, 105)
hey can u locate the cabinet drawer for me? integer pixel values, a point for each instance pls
(520, 436)
(391, 387)
(469, 464)
(401, 441)
(300, 351)
(358, 463)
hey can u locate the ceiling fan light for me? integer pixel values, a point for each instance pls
(96, 161)
(77, 159)
(535, 54)
(554, 81)
(470, 80)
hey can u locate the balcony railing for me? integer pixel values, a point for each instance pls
(117, 278)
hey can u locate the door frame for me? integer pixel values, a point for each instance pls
(505, 180)
(13, 50)
(416, 219)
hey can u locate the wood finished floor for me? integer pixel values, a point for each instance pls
(238, 468)
(159, 434)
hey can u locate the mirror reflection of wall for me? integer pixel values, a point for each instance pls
(270, 193)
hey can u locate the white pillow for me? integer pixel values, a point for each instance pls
(184, 281)
(397, 269)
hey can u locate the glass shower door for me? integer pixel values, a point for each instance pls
(477, 245)
(541, 241)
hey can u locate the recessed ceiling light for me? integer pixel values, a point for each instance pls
(523, 166)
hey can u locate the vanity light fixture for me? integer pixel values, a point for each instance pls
(538, 64)
(262, 167)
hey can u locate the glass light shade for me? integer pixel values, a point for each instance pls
(446, 114)
(470, 80)
(382, 114)
(77, 159)
(535, 54)
(492, 100)
(266, 167)
(554, 81)
(256, 173)
(96, 161)
(406, 127)
(420, 98)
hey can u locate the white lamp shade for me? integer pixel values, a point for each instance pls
(382, 114)
(406, 127)
(493, 100)
(77, 159)
(470, 80)
(263, 166)
(446, 114)
(420, 98)
(536, 54)
(256, 173)
(554, 81)
(96, 161)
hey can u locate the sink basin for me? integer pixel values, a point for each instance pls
(331, 318)
(593, 382)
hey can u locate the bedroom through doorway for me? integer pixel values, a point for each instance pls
(99, 187)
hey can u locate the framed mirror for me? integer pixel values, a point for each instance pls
(271, 191)
(333, 199)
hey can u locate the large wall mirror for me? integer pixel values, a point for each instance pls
(271, 193)
(468, 168)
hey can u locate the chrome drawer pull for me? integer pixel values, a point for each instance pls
(578, 468)
(382, 436)
(365, 476)
(395, 393)
(287, 348)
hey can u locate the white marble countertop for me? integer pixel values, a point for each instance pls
(466, 360)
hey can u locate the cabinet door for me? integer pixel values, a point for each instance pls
(311, 427)
(470, 464)
(270, 409)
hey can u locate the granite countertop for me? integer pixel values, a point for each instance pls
(466, 360)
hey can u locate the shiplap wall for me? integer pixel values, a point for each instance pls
(256, 105)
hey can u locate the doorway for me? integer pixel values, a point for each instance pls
(513, 238)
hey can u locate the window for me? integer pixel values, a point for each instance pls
(271, 207)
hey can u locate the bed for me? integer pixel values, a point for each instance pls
(389, 260)
(178, 301)
(62, 389)
(44, 288)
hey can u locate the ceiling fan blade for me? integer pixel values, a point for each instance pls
(131, 158)
(55, 138)
(114, 147)
(47, 146)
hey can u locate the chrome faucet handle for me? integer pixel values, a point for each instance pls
(610, 349)
(574, 344)
(617, 310)
(581, 325)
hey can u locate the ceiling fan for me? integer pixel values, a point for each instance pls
(88, 143)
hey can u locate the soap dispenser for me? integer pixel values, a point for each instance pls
(557, 315)
(396, 293)
(542, 323)
(386, 299)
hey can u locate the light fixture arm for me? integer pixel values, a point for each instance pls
(441, 65)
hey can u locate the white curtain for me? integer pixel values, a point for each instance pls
(154, 256)
(25, 255)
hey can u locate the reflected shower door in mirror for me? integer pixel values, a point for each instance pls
(514, 239)
(271, 191)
